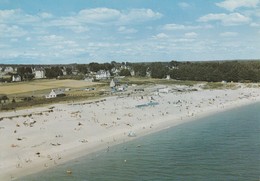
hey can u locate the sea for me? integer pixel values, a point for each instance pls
(224, 146)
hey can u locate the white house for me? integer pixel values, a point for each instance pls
(64, 72)
(168, 77)
(16, 78)
(132, 72)
(102, 74)
(115, 71)
(8, 69)
(55, 93)
(88, 79)
(39, 73)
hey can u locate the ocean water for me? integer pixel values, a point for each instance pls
(224, 146)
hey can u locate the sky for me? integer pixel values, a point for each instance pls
(84, 31)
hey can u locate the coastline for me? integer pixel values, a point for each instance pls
(48, 136)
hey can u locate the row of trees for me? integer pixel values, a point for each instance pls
(237, 71)
(217, 71)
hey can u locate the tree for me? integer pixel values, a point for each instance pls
(107, 66)
(125, 72)
(3, 98)
(53, 72)
(25, 73)
(140, 69)
(82, 68)
(158, 70)
(69, 70)
(94, 67)
(174, 63)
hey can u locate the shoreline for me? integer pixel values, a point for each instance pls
(73, 133)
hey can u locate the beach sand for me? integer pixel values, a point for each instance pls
(39, 138)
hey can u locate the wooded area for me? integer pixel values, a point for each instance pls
(211, 71)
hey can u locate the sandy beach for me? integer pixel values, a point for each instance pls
(39, 138)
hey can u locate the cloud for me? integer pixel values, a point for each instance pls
(52, 38)
(17, 16)
(101, 15)
(179, 27)
(160, 36)
(79, 29)
(124, 30)
(138, 16)
(229, 34)
(5, 14)
(226, 19)
(107, 16)
(183, 5)
(28, 38)
(232, 5)
(11, 31)
(255, 25)
(171, 27)
(45, 15)
(97, 15)
(191, 35)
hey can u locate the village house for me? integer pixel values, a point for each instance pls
(89, 79)
(103, 74)
(39, 73)
(16, 78)
(168, 77)
(55, 93)
(115, 71)
(64, 72)
(8, 69)
(132, 72)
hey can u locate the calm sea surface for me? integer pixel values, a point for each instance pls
(225, 146)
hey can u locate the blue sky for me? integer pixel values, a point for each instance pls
(83, 31)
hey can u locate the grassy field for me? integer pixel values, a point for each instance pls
(40, 85)
(143, 81)
(37, 89)
(18, 93)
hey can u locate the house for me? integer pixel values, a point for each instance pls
(88, 79)
(16, 78)
(168, 77)
(39, 73)
(132, 72)
(55, 93)
(64, 72)
(115, 71)
(148, 72)
(8, 69)
(103, 74)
